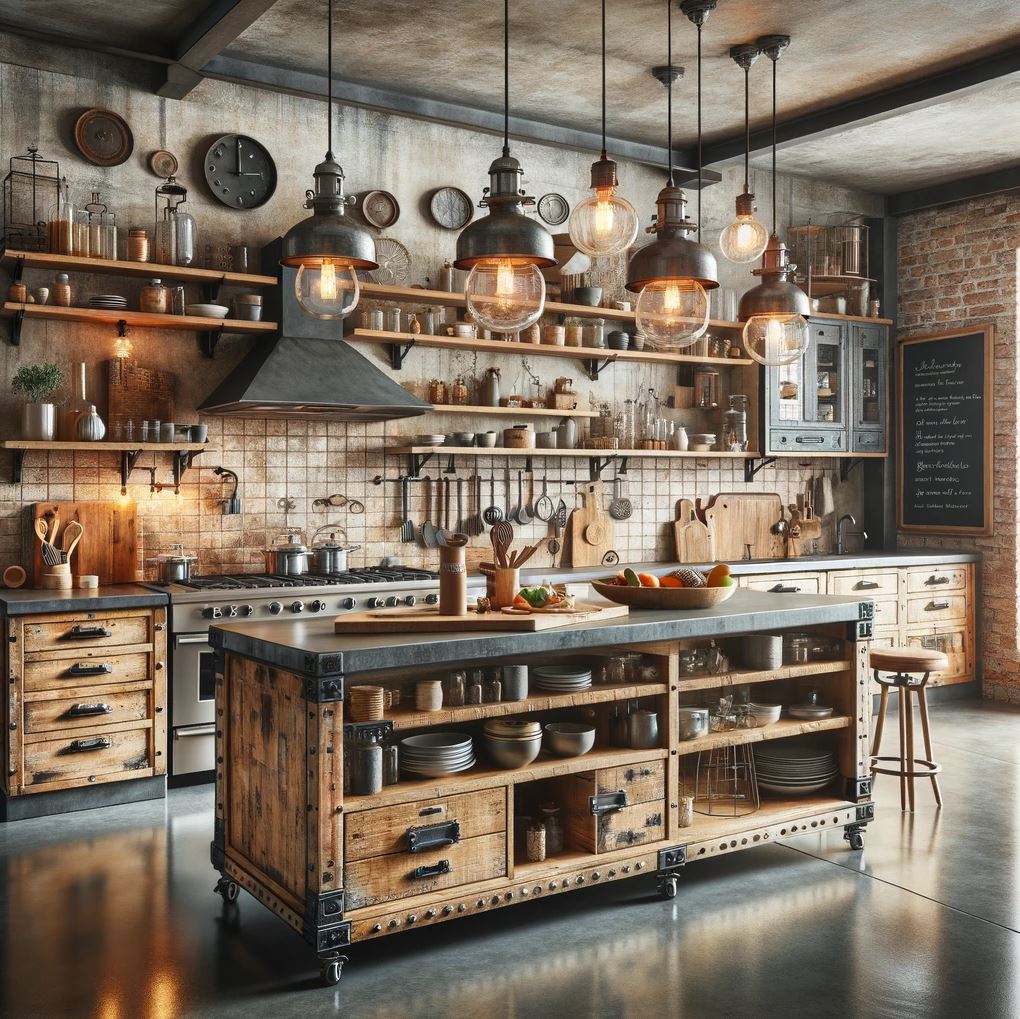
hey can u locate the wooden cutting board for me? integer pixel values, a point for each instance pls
(592, 531)
(108, 546)
(738, 519)
(426, 620)
(694, 542)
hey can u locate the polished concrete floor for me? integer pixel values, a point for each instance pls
(110, 913)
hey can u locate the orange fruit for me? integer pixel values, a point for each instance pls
(719, 571)
(648, 579)
(670, 581)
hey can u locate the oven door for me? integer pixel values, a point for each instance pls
(193, 710)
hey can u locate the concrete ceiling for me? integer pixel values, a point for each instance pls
(451, 51)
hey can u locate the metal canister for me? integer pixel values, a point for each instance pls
(366, 768)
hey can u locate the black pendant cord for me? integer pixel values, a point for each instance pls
(669, 89)
(775, 218)
(329, 80)
(747, 129)
(699, 132)
(603, 79)
(506, 78)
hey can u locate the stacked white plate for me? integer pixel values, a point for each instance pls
(794, 769)
(561, 678)
(113, 302)
(809, 711)
(436, 753)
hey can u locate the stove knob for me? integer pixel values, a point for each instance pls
(232, 611)
(275, 608)
(317, 606)
(392, 602)
(297, 606)
(432, 599)
(347, 603)
(410, 600)
(246, 610)
(212, 612)
(375, 603)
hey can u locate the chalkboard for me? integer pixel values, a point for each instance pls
(944, 452)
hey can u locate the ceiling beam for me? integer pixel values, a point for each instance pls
(870, 109)
(213, 31)
(980, 186)
(306, 84)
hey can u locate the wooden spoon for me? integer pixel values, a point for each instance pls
(70, 538)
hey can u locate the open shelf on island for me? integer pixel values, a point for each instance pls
(777, 730)
(741, 676)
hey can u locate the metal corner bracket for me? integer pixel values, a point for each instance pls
(399, 351)
(672, 859)
(753, 464)
(859, 789)
(380, 730)
(324, 689)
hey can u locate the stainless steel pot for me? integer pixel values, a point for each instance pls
(288, 558)
(175, 568)
(331, 557)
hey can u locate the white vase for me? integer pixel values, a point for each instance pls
(681, 438)
(39, 421)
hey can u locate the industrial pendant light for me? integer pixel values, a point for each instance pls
(325, 248)
(506, 250)
(745, 238)
(673, 273)
(775, 312)
(606, 223)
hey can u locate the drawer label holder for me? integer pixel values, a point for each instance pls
(607, 803)
(433, 836)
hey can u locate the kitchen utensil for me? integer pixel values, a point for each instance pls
(444, 531)
(460, 504)
(407, 530)
(512, 510)
(428, 529)
(693, 722)
(502, 539)
(515, 684)
(42, 530)
(111, 553)
(524, 555)
(569, 739)
(664, 597)
(523, 517)
(619, 509)
(764, 714)
(288, 558)
(544, 508)
(14, 576)
(70, 538)
(492, 514)
(512, 753)
(54, 525)
(740, 518)
(693, 538)
(592, 533)
(643, 729)
(529, 505)
(50, 554)
(509, 512)
(330, 556)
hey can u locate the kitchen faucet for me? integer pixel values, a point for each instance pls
(841, 536)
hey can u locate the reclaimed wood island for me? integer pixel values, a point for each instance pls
(342, 868)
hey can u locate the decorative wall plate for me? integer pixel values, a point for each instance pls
(554, 209)
(379, 209)
(103, 137)
(451, 208)
(240, 171)
(163, 163)
(394, 262)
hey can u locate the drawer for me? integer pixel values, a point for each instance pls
(786, 583)
(95, 668)
(869, 582)
(930, 608)
(634, 825)
(887, 612)
(379, 879)
(956, 646)
(641, 782)
(94, 708)
(110, 631)
(88, 756)
(804, 442)
(936, 579)
(384, 830)
(868, 440)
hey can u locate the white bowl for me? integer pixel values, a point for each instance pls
(207, 310)
(764, 714)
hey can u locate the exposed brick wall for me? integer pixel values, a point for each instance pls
(958, 268)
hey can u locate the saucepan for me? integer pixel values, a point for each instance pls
(330, 556)
(288, 556)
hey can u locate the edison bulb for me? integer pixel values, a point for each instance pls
(776, 339)
(504, 296)
(672, 314)
(327, 290)
(744, 240)
(603, 224)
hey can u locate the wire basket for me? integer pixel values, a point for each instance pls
(725, 782)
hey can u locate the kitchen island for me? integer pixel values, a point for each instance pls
(342, 868)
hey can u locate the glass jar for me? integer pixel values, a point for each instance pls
(375, 318)
(734, 425)
(65, 225)
(175, 229)
(393, 319)
(550, 816)
(102, 229)
(437, 392)
(62, 290)
(459, 392)
(492, 688)
(454, 688)
(573, 332)
(153, 298)
(137, 245)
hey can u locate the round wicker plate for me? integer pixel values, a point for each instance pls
(664, 597)
(451, 208)
(103, 137)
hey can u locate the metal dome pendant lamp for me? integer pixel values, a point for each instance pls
(325, 248)
(673, 274)
(506, 250)
(605, 223)
(775, 312)
(746, 238)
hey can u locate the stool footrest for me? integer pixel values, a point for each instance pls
(931, 768)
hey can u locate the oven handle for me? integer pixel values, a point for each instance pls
(205, 729)
(191, 638)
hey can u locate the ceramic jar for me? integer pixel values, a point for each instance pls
(89, 426)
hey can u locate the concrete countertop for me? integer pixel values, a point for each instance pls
(310, 647)
(24, 601)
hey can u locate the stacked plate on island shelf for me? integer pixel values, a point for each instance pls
(809, 712)
(433, 754)
(111, 302)
(794, 769)
(562, 678)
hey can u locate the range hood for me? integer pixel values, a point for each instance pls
(307, 370)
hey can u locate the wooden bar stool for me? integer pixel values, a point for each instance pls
(906, 664)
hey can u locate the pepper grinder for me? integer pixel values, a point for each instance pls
(453, 576)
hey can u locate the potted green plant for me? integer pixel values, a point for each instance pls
(38, 382)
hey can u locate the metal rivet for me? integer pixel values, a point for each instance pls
(412, 918)
(394, 923)
(595, 875)
(377, 928)
(579, 880)
(641, 865)
(461, 908)
(447, 910)
(612, 873)
(495, 900)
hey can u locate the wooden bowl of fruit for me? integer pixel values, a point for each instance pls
(681, 589)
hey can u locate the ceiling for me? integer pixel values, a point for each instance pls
(451, 51)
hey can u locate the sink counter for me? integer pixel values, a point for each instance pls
(310, 647)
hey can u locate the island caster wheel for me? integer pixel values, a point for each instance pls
(855, 837)
(228, 890)
(668, 887)
(332, 969)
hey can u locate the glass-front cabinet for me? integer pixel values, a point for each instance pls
(833, 400)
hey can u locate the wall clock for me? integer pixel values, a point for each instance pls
(240, 171)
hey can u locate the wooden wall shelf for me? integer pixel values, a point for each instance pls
(535, 412)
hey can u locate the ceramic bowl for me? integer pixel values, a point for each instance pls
(590, 296)
(463, 438)
(512, 753)
(426, 439)
(207, 310)
(764, 714)
(664, 597)
(569, 739)
(485, 439)
(618, 340)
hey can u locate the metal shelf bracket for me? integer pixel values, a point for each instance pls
(597, 464)
(398, 351)
(128, 459)
(19, 461)
(846, 466)
(752, 465)
(183, 459)
(594, 367)
(415, 462)
(208, 340)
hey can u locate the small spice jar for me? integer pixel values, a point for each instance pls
(573, 332)
(459, 391)
(536, 843)
(17, 293)
(137, 245)
(437, 391)
(153, 298)
(554, 335)
(62, 290)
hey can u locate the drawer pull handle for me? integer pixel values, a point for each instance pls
(810, 440)
(427, 811)
(783, 589)
(607, 803)
(633, 773)
(433, 836)
(90, 631)
(81, 669)
(867, 585)
(83, 710)
(443, 867)
(933, 580)
(934, 606)
(83, 746)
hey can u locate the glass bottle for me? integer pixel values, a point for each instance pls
(553, 828)
(734, 425)
(175, 228)
(102, 229)
(62, 223)
(492, 689)
(393, 319)
(76, 405)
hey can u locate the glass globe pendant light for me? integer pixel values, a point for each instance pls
(745, 238)
(606, 223)
(506, 250)
(775, 312)
(325, 248)
(673, 274)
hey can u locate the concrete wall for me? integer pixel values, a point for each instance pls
(43, 89)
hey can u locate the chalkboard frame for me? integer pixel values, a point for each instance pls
(983, 334)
